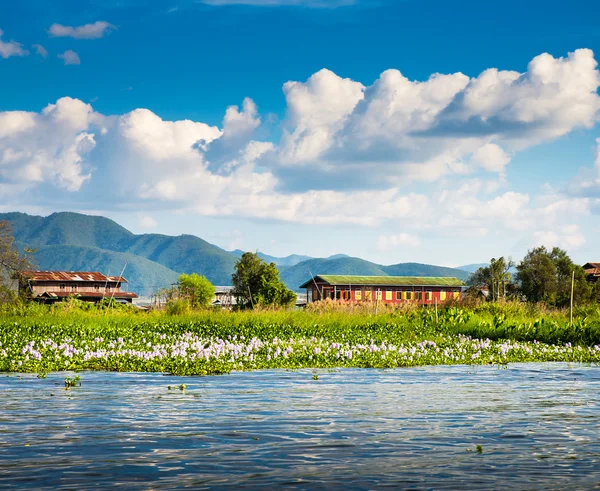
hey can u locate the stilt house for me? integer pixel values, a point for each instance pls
(424, 290)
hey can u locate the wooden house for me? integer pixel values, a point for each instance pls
(423, 290)
(54, 286)
(592, 270)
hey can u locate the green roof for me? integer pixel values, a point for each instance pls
(386, 280)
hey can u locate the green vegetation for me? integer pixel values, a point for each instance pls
(40, 339)
(545, 276)
(256, 283)
(196, 289)
(542, 276)
(12, 264)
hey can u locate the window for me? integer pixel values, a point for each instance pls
(398, 294)
(443, 295)
(62, 286)
(378, 294)
(388, 294)
(408, 295)
(368, 295)
(74, 287)
(357, 295)
(456, 295)
(428, 296)
(96, 287)
(338, 294)
(418, 295)
(108, 288)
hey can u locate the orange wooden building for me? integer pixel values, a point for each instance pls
(424, 290)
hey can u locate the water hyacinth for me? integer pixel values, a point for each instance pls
(188, 353)
(211, 343)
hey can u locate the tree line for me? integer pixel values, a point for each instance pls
(544, 275)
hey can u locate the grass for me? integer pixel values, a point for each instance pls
(40, 340)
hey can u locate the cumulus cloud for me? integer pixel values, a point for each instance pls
(491, 158)
(569, 237)
(448, 124)
(49, 146)
(397, 241)
(40, 50)
(88, 31)
(147, 222)
(70, 57)
(11, 48)
(359, 145)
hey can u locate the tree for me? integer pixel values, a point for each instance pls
(196, 289)
(545, 276)
(496, 277)
(13, 264)
(256, 282)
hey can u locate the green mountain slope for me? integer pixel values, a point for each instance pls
(71, 241)
(68, 229)
(286, 261)
(144, 276)
(183, 254)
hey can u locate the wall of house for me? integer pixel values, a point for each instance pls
(387, 295)
(74, 287)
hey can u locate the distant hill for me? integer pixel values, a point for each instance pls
(144, 276)
(471, 268)
(92, 242)
(291, 260)
(72, 241)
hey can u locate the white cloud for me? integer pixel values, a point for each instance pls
(70, 57)
(49, 146)
(397, 241)
(399, 129)
(491, 157)
(337, 132)
(147, 222)
(40, 50)
(569, 237)
(11, 48)
(87, 31)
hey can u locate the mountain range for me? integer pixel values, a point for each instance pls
(76, 242)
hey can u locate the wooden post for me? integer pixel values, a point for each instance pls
(572, 288)
(436, 312)
(251, 301)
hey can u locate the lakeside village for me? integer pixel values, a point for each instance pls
(55, 286)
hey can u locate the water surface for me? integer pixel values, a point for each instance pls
(416, 428)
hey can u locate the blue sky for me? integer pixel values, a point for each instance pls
(310, 126)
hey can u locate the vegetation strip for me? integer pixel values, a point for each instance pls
(219, 342)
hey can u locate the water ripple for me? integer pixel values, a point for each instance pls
(416, 428)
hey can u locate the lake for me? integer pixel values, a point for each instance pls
(536, 425)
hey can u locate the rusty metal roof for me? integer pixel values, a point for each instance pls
(72, 276)
(55, 294)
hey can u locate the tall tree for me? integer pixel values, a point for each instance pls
(545, 276)
(197, 289)
(256, 282)
(496, 277)
(13, 264)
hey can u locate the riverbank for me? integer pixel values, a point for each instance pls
(213, 342)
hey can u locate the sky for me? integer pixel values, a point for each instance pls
(442, 132)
